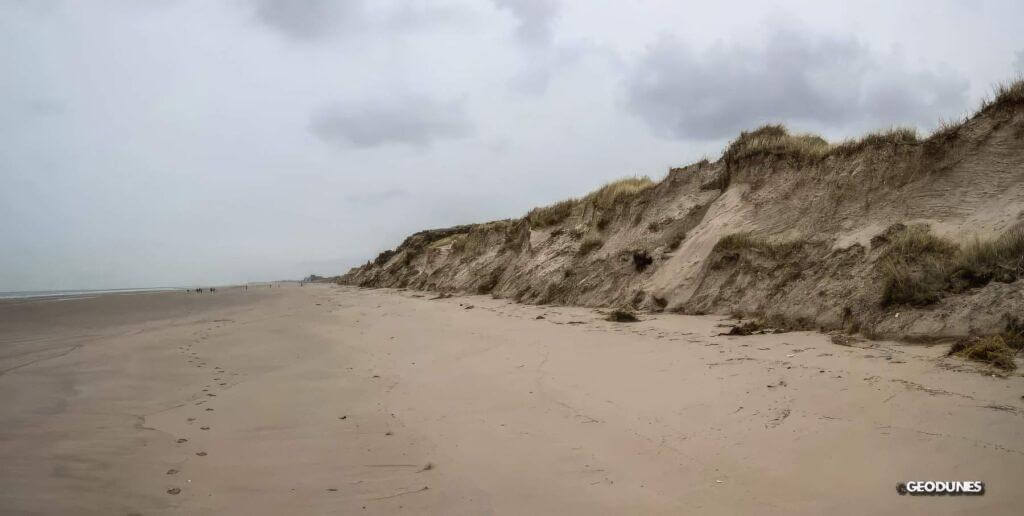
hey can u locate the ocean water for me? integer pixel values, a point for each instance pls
(77, 293)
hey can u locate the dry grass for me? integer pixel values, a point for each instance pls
(776, 140)
(1004, 95)
(1001, 259)
(604, 198)
(550, 215)
(612, 193)
(763, 245)
(470, 239)
(947, 129)
(1014, 332)
(459, 244)
(891, 136)
(450, 239)
(590, 244)
(383, 257)
(918, 285)
(919, 267)
(918, 240)
(992, 349)
(915, 267)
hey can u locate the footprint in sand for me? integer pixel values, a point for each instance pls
(204, 428)
(208, 409)
(173, 491)
(201, 454)
(182, 440)
(172, 472)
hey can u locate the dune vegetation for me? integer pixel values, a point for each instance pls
(919, 267)
(991, 349)
(746, 240)
(604, 197)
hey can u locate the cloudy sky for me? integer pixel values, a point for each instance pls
(195, 142)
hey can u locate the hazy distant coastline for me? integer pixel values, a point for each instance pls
(27, 294)
(74, 293)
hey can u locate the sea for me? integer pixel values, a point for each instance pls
(58, 294)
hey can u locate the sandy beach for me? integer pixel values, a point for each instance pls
(335, 400)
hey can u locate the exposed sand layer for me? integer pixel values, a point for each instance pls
(334, 400)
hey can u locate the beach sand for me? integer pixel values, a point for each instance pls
(334, 400)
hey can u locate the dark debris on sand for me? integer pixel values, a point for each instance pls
(750, 328)
(621, 316)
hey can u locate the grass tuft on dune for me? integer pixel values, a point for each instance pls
(919, 267)
(605, 197)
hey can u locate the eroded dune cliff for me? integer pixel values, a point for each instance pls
(890, 235)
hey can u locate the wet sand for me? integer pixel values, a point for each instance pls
(324, 399)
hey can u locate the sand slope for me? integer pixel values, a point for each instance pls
(326, 399)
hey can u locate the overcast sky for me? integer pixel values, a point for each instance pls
(195, 142)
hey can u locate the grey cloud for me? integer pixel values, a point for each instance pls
(795, 76)
(413, 121)
(308, 19)
(543, 66)
(536, 19)
(33, 6)
(312, 20)
(416, 16)
(390, 194)
(46, 107)
(51, 7)
(544, 58)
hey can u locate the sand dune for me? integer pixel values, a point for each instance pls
(890, 236)
(335, 400)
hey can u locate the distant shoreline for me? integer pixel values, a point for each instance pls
(77, 293)
(32, 294)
